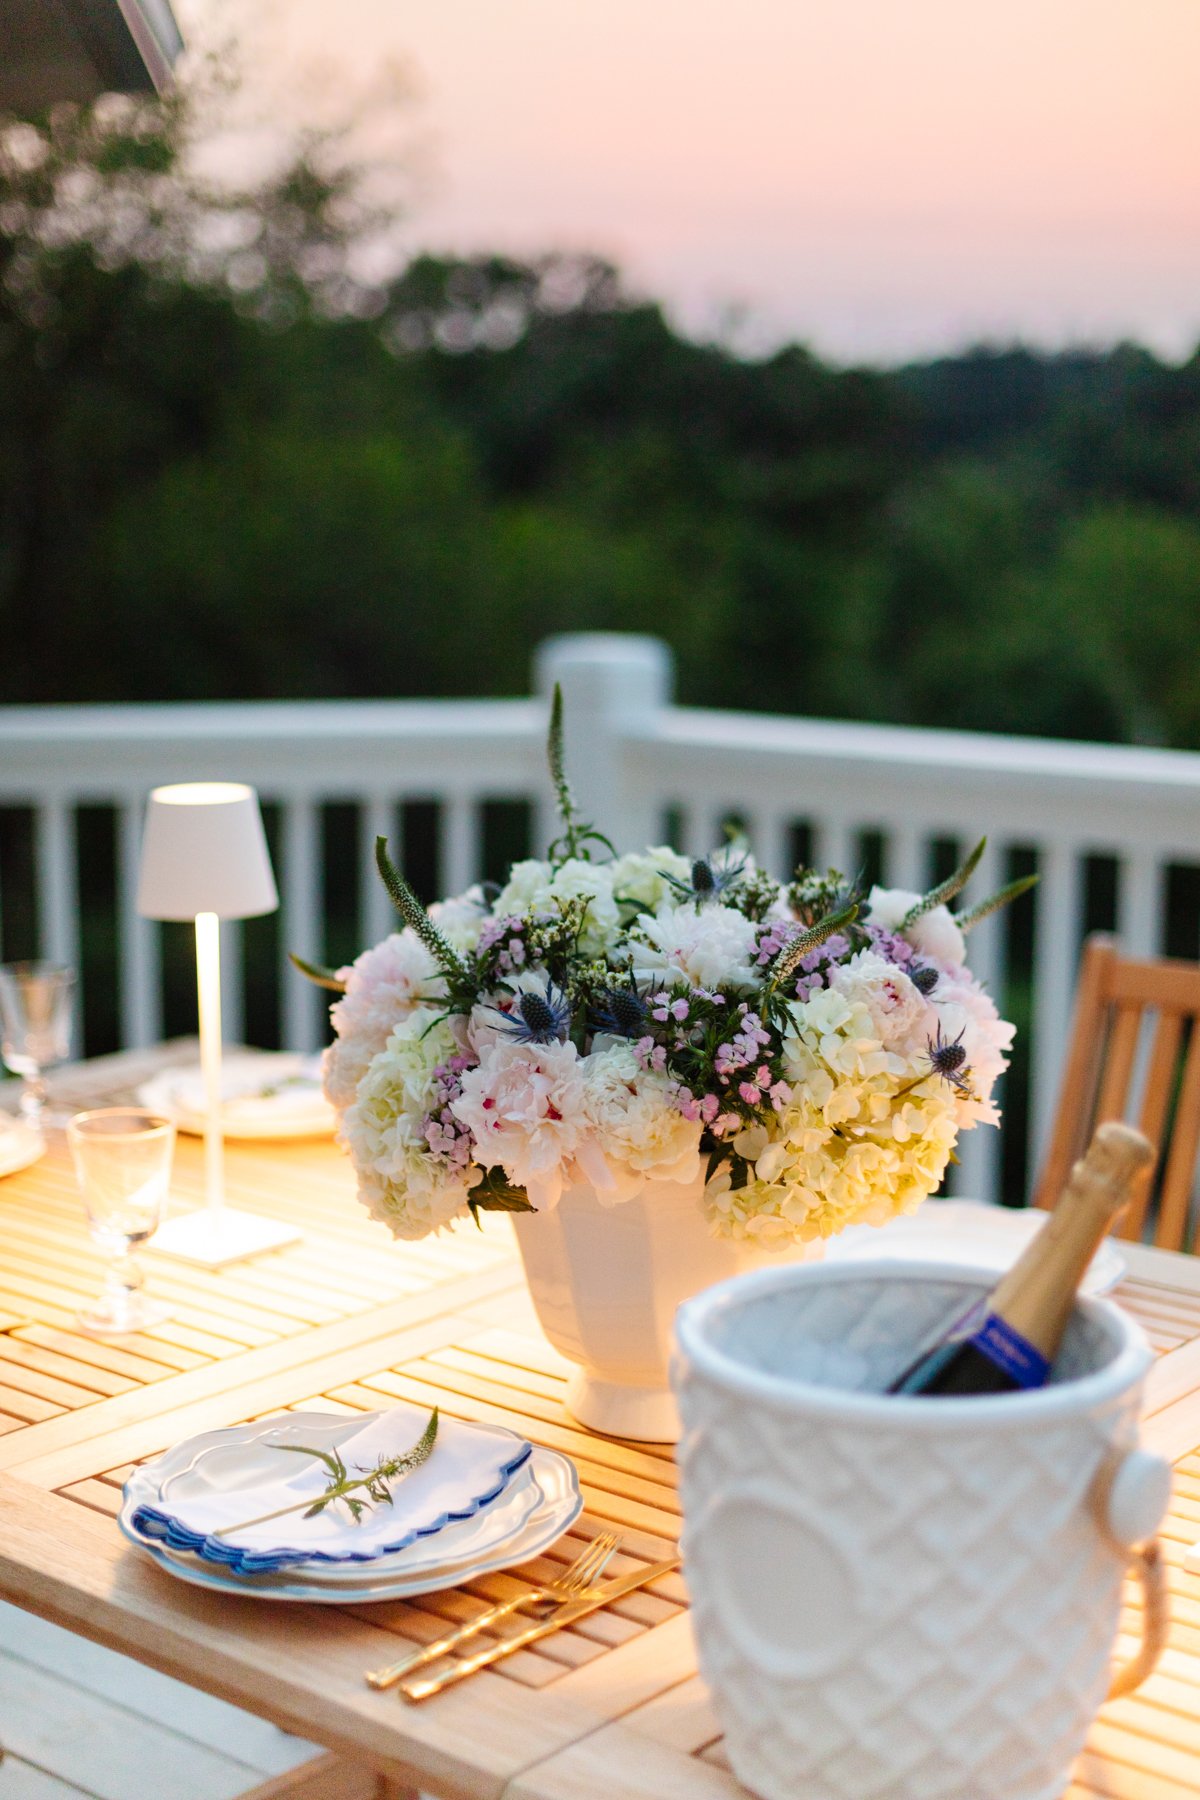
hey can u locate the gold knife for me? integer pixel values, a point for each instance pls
(566, 1615)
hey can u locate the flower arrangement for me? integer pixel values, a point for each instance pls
(625, 1019)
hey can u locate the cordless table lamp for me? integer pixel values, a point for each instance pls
(204, 857)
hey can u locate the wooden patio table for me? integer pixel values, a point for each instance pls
(611, 1709)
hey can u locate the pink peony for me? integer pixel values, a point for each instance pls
(523, 1105)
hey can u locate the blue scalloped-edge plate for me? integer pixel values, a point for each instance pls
(154, 1525)
(560, 1506)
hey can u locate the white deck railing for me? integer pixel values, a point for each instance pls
(634, 757)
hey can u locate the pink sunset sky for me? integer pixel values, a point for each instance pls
(881, 178)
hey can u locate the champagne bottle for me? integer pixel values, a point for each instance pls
(1009, 1340)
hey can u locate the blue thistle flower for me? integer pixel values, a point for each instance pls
(948, 1058)
(538, 1018)
(924, 978)
(621, 1012)
(708, 879)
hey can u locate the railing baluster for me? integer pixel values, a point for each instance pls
(300, 927)
(377, 819)
(58, 895)
(777, 846)
(1140, 902)
(141, 986)
(1058, 898)
(906, 858)
(835, 847)
(978, 1173)
(459, 842)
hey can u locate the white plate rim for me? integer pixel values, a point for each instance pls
(522, 1547)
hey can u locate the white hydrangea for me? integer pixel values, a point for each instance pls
(534, 887)
(641, 876)
(637, 1126)
(461, 919)
(399, 1179)
(709, 947)
(382, 987)
(934, 934)
(867, 1134)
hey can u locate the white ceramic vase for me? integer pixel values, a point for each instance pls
(606, 1281)
(904, 1598)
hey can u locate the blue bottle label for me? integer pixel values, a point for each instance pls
(1018, 1358)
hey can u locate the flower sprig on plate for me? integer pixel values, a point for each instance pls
(624, 1019)
(350, 1487)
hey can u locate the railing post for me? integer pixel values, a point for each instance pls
(614, 688)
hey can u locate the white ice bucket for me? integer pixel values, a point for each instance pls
(906, 1599)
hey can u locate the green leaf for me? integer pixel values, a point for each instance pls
(966, 921)
(318, 973)
(495, 1193)
(946, 890)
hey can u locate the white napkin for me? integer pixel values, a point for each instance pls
(233, 1482)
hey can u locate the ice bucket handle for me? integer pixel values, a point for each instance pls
(1130, 1497)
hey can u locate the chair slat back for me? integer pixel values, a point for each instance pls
(1131, 1015)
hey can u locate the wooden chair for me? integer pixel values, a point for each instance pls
(1120, 1002)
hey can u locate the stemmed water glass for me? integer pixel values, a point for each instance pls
(122, 1158)
(35, 1030)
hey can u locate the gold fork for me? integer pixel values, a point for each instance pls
(572, 1584)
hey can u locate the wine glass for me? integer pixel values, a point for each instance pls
(122, 1160)
(35, 1030)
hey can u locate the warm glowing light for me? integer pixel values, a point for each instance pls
(201, 793)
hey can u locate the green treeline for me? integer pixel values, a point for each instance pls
(201, 498)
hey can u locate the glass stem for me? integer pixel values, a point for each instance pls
(122, 1281)
(33, 1099)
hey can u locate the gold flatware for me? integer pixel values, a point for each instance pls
(563, 1616)
(572, 1584)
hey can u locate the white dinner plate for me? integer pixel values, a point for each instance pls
(559, 1505)
(20, 1145)
(967, 1231)
(200, 1488)
(264, 1095)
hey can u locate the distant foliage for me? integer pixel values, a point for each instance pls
(234, 465)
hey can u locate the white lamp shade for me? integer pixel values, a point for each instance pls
(204, 851)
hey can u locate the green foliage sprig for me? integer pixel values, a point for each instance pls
(966, 921)
(576, 835)
(457, 974)
(343, 1485)
(945, 890)
(793, 953)
(317, 973)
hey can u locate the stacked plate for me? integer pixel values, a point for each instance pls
(966, 1231)
(20, 1145)
(263, 1095)
(484, 1500)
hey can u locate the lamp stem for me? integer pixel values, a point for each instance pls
(208, 991)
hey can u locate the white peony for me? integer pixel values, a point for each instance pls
(900, 1014)
(637, 1126)
(709, 947)
(934, 934)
